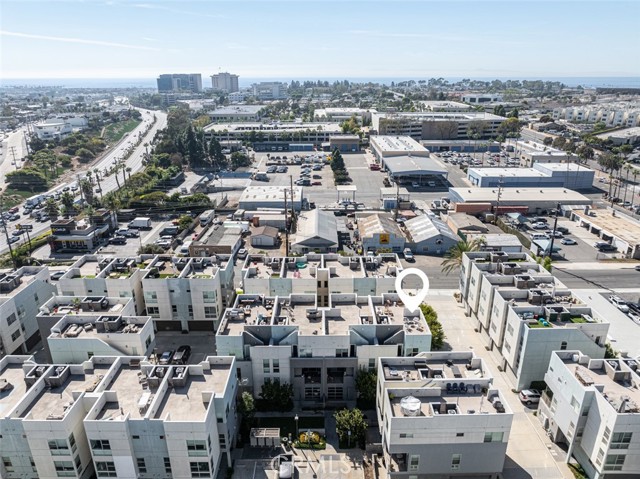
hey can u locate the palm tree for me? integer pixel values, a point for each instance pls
(124, 173)
(635, 183)
(453, 257)
(67, 202)
(129, 169)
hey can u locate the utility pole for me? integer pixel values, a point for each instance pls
(397, 201)
(293, 212)
(553, 233)
(80, 188)
(13, 152)
(286, 226)
(6, 233)
(497, 210)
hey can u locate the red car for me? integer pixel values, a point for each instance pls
(316, 183)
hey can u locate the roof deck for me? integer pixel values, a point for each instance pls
(399, 316)
(53, 403)
(12, 389)
(187, 403)
(426, 369)
(305, 316)
(303, 269)
(350, 269)
(264, 268)
(12, 282)
(617, 377)
(90, 268)
(249, 311)
(447, 404)
(89, 328)
(122, 268)
(387, 268)
(350, 315)
(207, 271)
(134, 395)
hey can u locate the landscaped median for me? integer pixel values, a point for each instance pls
(23, 252)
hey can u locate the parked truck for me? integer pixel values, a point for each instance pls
(140, 223)
(206, 217)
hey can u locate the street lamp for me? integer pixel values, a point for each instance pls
(349, 435)
(297, 433)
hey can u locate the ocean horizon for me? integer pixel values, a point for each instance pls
(585, 81)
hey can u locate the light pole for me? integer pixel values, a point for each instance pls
(297, 432)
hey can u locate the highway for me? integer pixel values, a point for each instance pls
(14, 143)
(107, 161)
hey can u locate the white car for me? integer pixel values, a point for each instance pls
(619, 303)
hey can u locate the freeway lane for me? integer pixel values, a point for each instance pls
(109, 183)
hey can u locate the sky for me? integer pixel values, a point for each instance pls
(313, 39)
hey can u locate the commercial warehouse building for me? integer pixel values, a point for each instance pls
(387, 146)
(271, 197)
(563, 175)
(613, 227)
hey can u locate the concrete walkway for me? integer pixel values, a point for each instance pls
(529, 453)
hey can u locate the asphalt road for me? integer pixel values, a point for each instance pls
(109, 183)
(599, 278)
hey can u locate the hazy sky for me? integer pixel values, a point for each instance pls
(300, 38)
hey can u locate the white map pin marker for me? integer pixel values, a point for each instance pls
(412, 302)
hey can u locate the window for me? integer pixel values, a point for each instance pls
(414, 462)
(200, 469)
(72, 443)
(312, 392)
(190, 310)
(606, 434)
(563, 345)
(575, 404)
(150, 297)
(15, 335)
(58, 447)
(78, 463)
(124, 294)
(8, 465)
(266, 369)
(600, 457)
(11, 319)
(412, 351)
(456, 459)
(197, 448)
(614, 462)
(167, 465)
(406, 435)
(222, 440)
(276, 366)
(209, 297)
(372, 364)
(493, 436)
(461, 434)
(210, 312)
(142, 467)
(507, 346)
(153, 311)
(342, 353)
(100, 447)
(64, 469)
(174, 309)
(621, 440)
(335, 393)
(106, 469)
(510, 329)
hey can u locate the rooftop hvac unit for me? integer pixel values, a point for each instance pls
(410, 406)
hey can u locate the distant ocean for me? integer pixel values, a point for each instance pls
(615, 82)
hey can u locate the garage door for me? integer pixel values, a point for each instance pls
(206, 325)
(168, 326)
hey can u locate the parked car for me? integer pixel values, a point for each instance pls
(529, 396)
(166, 357)
(568, 241)
(539, 226)
(415, 184)
(563, 230)
(408, 255)
(619, 303)
(242, 253)
(606, 247)
(182, 355)
(118, 240)
(57, 275)
(431, 184)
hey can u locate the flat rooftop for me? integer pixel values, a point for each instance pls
(425, 369)
(296, 315)
(248, 312)
(430, 406)
(615, 390)
(340, 270)
(388, 268)
(519, 196)
(507, 172)
(302, 271)
(14, 375)
(52, 404)
(89, 269)
(349, 316)
(395, 315)
(187, 403)
(388, 143)
(275, 127)
(76, 328)
(620, 225)
(128, 385)
(9, 276)
(206, 272)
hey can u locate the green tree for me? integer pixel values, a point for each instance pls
(30, 179)
(350, 420)
(247, 406)
(67, 201)
(337, 162)
(239, 160)
(193, 148)
(366, 382)
(184, 222)
(217, 158)
(201, 121)
(51, 208)
(87, 190)
(151, 249)
(599, 126)
(585, 152)
(510, 128)
(275, 396)
(453, 258)
(499, 110)
(610, 162)
(559, 142)
(85, 154)
(548, 140)
(437, 331)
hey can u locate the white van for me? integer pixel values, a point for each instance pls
(184, 248)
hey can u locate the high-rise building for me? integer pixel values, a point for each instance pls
(180, 82)
(226, 82)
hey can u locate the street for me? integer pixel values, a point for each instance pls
(109, 183)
